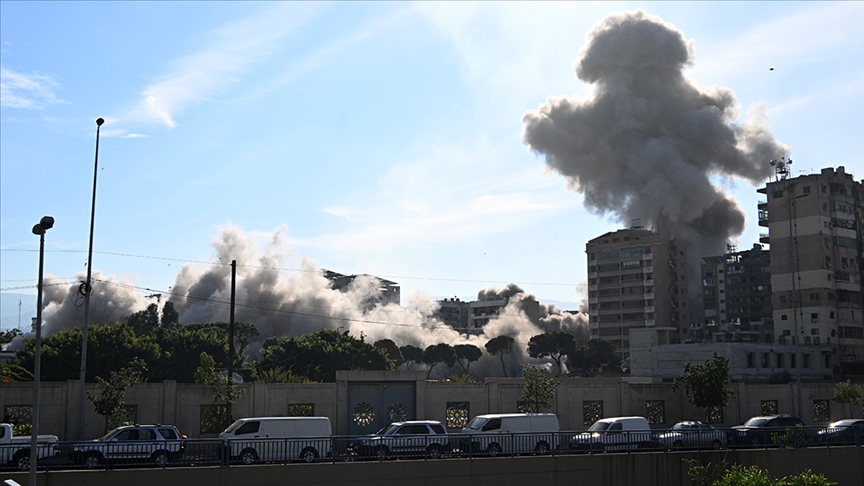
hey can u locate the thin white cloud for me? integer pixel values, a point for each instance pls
(232, 52)
(28, 91)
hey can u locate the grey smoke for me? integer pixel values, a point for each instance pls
(647, 141)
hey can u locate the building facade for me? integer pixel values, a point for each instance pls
(636, 278)
(815, 231)
(736, 298)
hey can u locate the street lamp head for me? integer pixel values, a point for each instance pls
(99, 122)
(46, 223)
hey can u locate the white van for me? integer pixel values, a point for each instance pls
(277, 439)
(614, 434)
(511, 433)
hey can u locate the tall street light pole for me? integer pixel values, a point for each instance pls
(46, 223)
(87, 290)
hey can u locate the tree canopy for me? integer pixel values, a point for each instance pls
(539, 389)
(438, 353)
(705, 384)
(468, 353)
(594, 357)
(411, 354)
(392, 351)
(848, 393)
(111, 402)
(318, 355)
(555, 345)
(500, 346)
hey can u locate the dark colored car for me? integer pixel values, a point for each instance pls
(841, 432)
(425, 438)
(769, 431)
(692, 435)
(131, 445)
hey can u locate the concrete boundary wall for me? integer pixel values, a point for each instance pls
(181, 403)
(845, 465)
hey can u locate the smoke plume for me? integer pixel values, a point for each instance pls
(647, 141)
(292, 303)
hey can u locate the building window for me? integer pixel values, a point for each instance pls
(777, 194)
(780, 363)
(806, 189)
(301, 409)
(793, 360)
(821, 411)
(783, 317)
(213, 418)
(655, 411)
(751, 362)
(457, 415)
(768, 407)
(766, 360)
(805, 360)
(814, 331)
(592, 411)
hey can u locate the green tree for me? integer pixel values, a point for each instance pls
(848, 393)
(111, 402)
(318, 355)
(223, 391)
(499, 346)
(180, 350)
(144, 322)
(277, 374)
(555, 345)
(392, 351)
(8, 336)
(539, 389)
(469, 353)
(438, 353)
(411, 354)
(594, 357)
(170, 316)
(705, 384)
(10, 372)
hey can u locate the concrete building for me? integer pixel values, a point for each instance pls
(636, 278)
(736, 298)
(388, 292)
(815, 231)
(471, 317)
(651, 355)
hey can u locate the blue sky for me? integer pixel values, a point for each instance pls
(380, 137)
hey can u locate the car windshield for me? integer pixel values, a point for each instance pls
(233, 426)
(477, 423)
(599, 427)
(844, 423)
(681, 427)
(109, 434)
(756, 422)
(388, 430)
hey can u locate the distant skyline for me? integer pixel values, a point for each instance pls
(379, 138)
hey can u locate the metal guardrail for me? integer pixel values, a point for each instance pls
(216, 452)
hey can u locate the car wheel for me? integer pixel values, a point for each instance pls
(541, 448)
(493, 450)
(248, 456)
(433, 451)
(381, 453)
(92, 460)
(309, 455)
(22, 460)
(159, 458)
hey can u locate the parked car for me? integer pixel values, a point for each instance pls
(131, 445)
(426, 438)
(846, 431)
(15, 450)
(615, 434)
(511, 433)
(692, 435)
(277, 439)
(770, 431)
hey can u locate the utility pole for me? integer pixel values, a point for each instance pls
(231, 336)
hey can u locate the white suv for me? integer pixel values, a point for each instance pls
(426, 438)
(131, 445)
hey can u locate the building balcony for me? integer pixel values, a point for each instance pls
(649, 309)
(592, 287)
(592, 274)
(647, 256)
(762, 204)
(648, 296)
(647, 269)
(764, 238)
(593, 313)
(648, 283)
(650, 322)
(593, 300)
(592, 262)
(594, 325)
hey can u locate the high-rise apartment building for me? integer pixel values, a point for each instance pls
(736, 298)
(636, 278)
(815, 232)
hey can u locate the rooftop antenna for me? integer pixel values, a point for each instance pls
(781, 168)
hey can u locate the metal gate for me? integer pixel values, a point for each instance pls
(374, 405)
